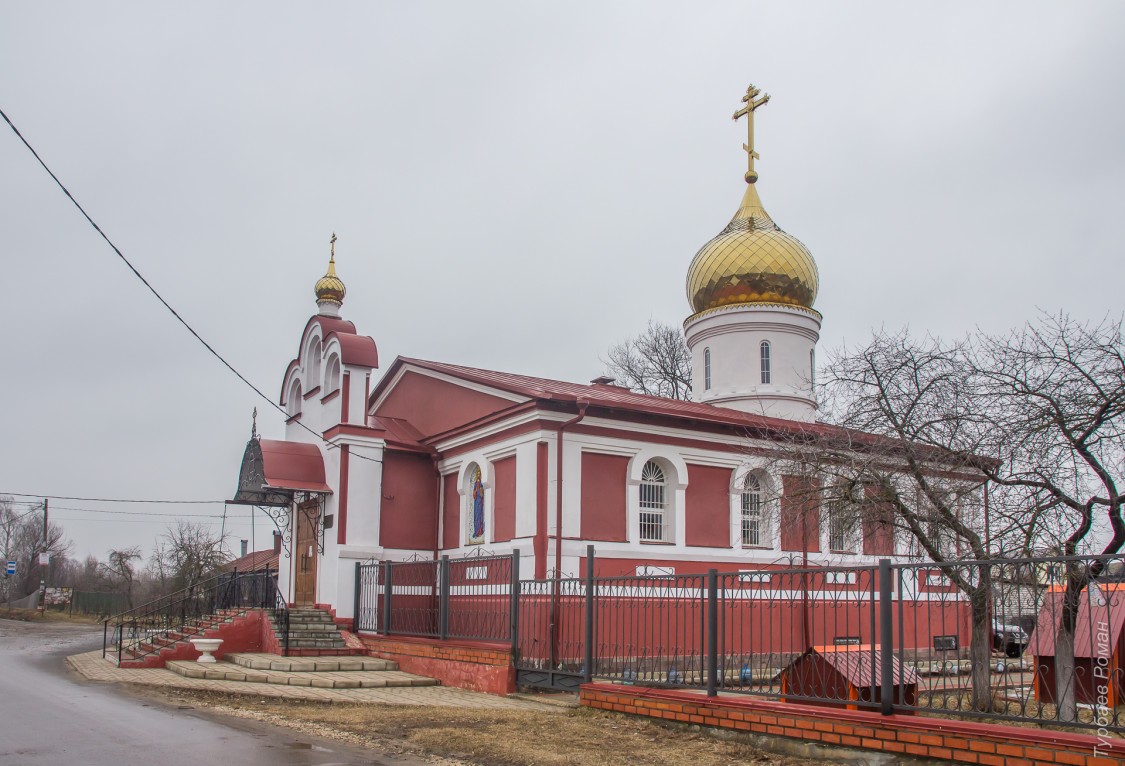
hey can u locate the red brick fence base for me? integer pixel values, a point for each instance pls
(910, 737)
(479, 667)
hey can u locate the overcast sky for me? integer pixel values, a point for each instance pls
(514, 186)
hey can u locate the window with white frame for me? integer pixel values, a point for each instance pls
(812, 369)
(765, 348)
(706, 369)
(753, 528)
(654, 503)
(332, 374)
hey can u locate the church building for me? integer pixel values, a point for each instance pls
(419, 458)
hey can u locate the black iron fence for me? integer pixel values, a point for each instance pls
(469, 598)
(146, 629)
(1036, 640)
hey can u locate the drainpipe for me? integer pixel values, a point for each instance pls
(582, 405)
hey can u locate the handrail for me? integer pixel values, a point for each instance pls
(150, 624)
(281, 611)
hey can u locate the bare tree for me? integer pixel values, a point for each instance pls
(882, 473)
(120, 569)
(1037, 413)
(1052, 407)
(655, 362)
(21, 535)
(192, 553)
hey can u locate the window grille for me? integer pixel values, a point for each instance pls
(841, 527)
(752, 511)
(653, 505)
(706, 369)
(765, 361)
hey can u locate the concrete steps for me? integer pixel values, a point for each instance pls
(337, 673)
(312, 631)
(263, 661)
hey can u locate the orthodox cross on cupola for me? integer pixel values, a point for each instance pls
(752, 103)
(330, 288)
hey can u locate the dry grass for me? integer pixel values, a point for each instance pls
(50, 615)
(501, 738)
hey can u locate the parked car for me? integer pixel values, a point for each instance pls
(1010, 640)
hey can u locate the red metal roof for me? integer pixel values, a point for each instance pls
(399, 433)
(254, 561)
(1104, 617)
(611, 397)
(293, 465)
(860, 665)
(359, 350)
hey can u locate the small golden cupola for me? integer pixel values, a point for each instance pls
(330, 288)
(752, 260)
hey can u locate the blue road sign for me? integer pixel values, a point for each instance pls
(11, 568)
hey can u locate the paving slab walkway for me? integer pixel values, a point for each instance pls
(94, 667)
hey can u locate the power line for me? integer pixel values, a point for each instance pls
(110, 499)
(138, 513)
(160, 297)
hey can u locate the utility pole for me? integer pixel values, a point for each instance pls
(43, 565)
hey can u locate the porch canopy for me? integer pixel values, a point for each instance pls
(273, 471)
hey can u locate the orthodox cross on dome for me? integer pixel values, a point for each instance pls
(332, 243)
(752, 103)
(254, 424)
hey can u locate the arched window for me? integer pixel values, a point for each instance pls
(294, 404)
(474, 506)
(316, 357)
(765, 362)
(812, 369)
(706, 369)
(332, 374)
(752, 523)
(654, 504)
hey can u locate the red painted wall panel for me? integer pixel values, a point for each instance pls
(409, 518)
(451, 513)
(603, 497)
(433, 406)
(800, 511)
(707, 511)
(504, 499)
(878, 529)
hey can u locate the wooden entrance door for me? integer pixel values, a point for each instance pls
(304, 582)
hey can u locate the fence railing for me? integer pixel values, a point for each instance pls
(469, 598)
(146, 629)
(972, 639)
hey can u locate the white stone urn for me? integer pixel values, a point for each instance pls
(206, 646)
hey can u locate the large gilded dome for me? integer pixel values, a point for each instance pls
(752, 261)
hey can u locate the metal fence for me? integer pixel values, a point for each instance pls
(469, 598)
(973, 639)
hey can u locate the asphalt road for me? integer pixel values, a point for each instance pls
(51, 716)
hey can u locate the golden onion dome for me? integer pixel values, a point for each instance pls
(752, 261)
(330, 288)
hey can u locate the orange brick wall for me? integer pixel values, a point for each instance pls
(951, 741)
(475, 666)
